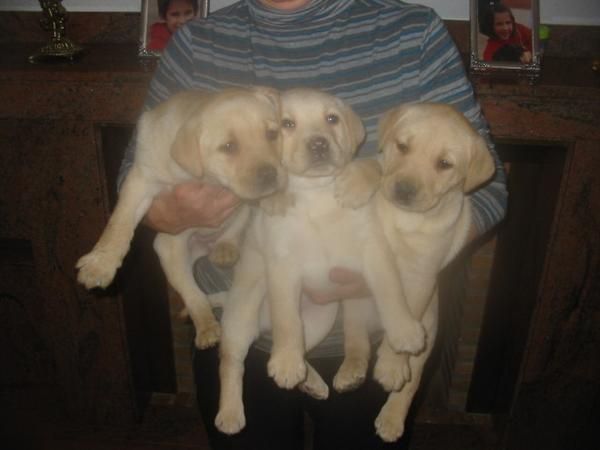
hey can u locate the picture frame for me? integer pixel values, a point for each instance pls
(75, 5)
(150, 16)
(505, 37)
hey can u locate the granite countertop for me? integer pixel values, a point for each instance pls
(560, 77)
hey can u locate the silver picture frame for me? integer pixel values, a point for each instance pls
(518, 54)
(149, 16)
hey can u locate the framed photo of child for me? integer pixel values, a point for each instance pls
(161, 18)
(504, 36)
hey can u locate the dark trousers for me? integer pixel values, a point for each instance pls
(275, 417)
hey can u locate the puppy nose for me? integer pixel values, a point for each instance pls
(404, 192)
(266, 175)
(319, 148)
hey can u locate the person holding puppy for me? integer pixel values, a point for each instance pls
(375, 55)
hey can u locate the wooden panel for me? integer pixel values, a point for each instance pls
(50, 196)
(534, 177)
(557, 405)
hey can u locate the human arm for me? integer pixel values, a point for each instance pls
(191, 204)
(443, 79)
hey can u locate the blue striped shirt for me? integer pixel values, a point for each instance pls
(374, 54)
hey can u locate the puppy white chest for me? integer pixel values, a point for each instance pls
(316, 234)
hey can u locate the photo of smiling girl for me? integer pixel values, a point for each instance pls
(507, 40)
(173, 14)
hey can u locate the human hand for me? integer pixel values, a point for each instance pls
(349, 284)
(189, 205)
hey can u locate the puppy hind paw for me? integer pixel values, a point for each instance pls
(392, 373)
(350, 375)
(225, 254)
(230, 421)
(389, 428)
(317, 389)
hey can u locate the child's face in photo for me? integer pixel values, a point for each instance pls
(503, 25)
(178, 13)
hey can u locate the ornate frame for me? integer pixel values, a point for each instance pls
(149, 15)
(479, 66)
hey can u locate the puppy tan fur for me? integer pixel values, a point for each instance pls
(432, 157)
(320, 135)
(230, 138)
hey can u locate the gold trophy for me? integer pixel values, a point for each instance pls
(60, 47)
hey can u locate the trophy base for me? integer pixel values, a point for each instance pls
(57, 52)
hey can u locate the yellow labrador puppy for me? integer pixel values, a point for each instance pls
(432, 157)
(230, 138)
(320, 135)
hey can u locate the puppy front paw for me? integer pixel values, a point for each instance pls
(225, 254)
(207, 334)
(408, 336)
(392, 371)
(97, 269)
(230, 420)
(357, 183)
(350, 375)
(287, 369)
(278, 203)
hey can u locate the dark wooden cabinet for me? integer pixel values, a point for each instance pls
(69, 350)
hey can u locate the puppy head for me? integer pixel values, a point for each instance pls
(320, 133)
(430, 150)
(233, 138)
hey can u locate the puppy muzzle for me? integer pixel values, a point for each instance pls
(318, 149)
(266, 176)
(404, 192)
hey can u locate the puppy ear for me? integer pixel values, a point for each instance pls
(185, 150)
(354, 124)
(271, 95)
(481, 164)
(387, 122)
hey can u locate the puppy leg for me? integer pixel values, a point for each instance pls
(357, 349)
(226, 252)
(357, 183)
(240, 323)
(391, 369)
(314, 384)
(404, 332)
(286, 365)
(389, 423)
(173, 253)
(98, 268)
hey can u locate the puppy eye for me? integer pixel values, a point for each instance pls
(402, 148)
(444, 164)
(333, 119)
(229, 148)
(272, 135)
(287, 123)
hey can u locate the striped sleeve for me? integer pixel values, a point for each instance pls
(171, 76)
(443, 79)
